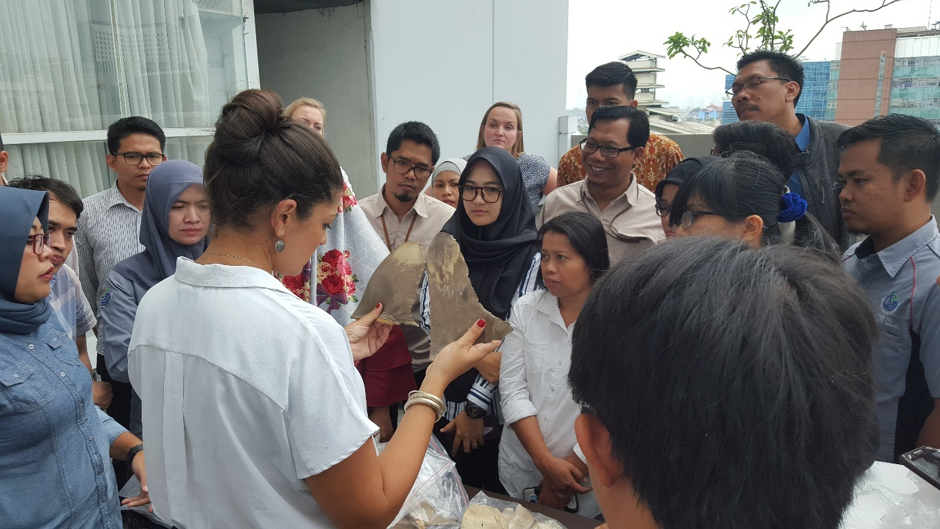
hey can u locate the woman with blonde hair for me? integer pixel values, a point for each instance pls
(502, 127)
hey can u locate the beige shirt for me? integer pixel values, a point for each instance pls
(423, 221)
(630, 220)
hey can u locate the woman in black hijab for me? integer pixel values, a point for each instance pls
(495, 228)
(52, 437)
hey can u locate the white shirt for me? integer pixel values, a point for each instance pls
(246, 391)
(533, 381)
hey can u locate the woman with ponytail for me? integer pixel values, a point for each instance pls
(745, 196)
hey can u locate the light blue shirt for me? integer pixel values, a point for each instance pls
(54, 442)
(900, 282)
(802, 142)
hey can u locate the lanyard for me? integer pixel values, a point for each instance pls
(388, 242)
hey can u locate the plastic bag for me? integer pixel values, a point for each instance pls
(509, 515)
(437, 498)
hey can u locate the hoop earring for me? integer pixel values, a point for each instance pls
(279, 246)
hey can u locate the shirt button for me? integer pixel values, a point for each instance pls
(62, 374)
(16, 375)
(31, 346)
(91, 438)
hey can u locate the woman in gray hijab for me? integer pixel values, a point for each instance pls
(174, 223)
(53, 440)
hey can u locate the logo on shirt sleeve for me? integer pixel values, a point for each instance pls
(890, 302)
(106, 298)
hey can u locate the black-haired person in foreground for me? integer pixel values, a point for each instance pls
(891, 172)
(742, 196)
(723, 386)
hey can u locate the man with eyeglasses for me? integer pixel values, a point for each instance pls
(109, 228)
(767, 88)
(615, 143)
(402, 213)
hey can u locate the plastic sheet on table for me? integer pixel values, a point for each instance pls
(493, 513)
(890, 496)
(437, 499)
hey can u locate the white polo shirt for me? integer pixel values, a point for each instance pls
(246, 390)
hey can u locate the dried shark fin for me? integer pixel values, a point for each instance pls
(395, 284)
(454, 303)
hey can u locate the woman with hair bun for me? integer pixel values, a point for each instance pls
(254, 412)
(744, 196)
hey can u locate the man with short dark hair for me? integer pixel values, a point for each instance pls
(722, 386)
(109, 228)
(66, 297)
(402, 213)
(615, 142)
(767, 88)
(890, 173)
(614, 84)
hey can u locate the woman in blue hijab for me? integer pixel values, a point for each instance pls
(174, 223)
(53, 472)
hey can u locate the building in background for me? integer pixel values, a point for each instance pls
(814, 99)
(645, 67)
(69, 69)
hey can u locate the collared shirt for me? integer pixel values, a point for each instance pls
(419, 225)
(428, 215)
(482, 393)
(900, 282)
(533, 381)
(802, 142)
(247, 390)
(661, 155)
(69, 303)
(108, 232)
(630, 220)
(54, 442)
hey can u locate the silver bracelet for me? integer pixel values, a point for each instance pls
(438, 408)
(429, 396)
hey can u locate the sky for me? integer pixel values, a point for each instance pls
(600, 31)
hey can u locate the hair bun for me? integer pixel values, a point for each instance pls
(245, 121)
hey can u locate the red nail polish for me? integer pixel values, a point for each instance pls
(379, 305)
(481, 323)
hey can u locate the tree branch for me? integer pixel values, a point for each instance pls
(884, 4)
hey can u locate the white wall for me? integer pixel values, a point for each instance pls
(323, 53)
(444, 62)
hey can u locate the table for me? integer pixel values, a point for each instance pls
(569, 520)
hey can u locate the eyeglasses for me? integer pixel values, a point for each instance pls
(134, 158)
(751, 84)
(586, 409)
(662, 211)
(689, 217)
(39, 241)
(402, 167)
(469, 193)
(590, 147)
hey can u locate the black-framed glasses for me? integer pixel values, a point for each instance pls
(402, 167)
(662, 211)
(135, 158)
(751, 84)
(688, 218)
(589, 147)
(39, 241)
(469, 192)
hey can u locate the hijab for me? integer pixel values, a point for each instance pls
(456, 165)
(158, 260)
(18, 209)
(499, 254)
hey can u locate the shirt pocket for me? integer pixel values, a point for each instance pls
(23, 390)
(534, 354)
(60, 345)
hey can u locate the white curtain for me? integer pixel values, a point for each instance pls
(82, 64)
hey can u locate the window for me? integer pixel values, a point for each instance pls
(69, 69)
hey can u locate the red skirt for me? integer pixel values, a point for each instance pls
(387, 375)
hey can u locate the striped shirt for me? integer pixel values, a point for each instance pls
(68, 303)
(108, 232)
(482, 393)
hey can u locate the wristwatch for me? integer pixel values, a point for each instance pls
(474, 411)
(133, 452)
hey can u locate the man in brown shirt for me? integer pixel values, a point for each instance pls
(402, 213)
(611, 192)
(614, 84)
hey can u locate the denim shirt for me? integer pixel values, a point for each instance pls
(54, 442)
